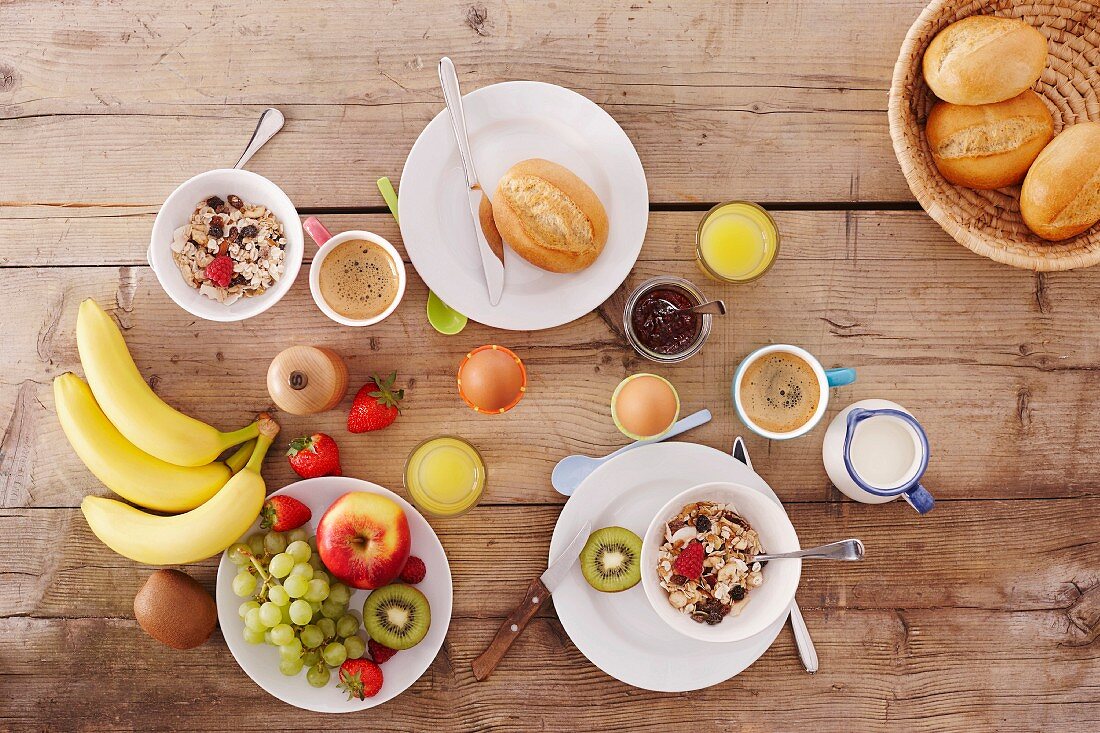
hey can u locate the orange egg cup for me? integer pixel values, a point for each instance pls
(522, 386)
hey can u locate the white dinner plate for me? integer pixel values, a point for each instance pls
(507, 123)
(620, 632)
(261, 662)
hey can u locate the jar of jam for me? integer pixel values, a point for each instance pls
(656, 325)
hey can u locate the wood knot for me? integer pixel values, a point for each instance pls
(9, 78)
(1023, 407)
(477, 16)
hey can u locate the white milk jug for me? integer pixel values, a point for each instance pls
(875, 451)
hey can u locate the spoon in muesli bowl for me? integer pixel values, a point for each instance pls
(227, 244)
(850, 549)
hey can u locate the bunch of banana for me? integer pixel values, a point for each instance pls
(154, 456)
(194, 535)
(133, 407)
(124, 469)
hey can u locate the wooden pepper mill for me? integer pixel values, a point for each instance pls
(304, 380)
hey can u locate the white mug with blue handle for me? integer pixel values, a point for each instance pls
(826, 379)
(875, 451)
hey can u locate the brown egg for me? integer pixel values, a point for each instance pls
(644, 406)
(492, 379)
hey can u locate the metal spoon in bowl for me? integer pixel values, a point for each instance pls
(271, 121)
(844, 550)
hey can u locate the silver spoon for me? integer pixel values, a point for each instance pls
(843, 550)
(271, 121)
(712, 307)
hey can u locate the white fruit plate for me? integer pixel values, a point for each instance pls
(261, 662)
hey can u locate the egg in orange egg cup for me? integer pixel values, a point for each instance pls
(492, 379)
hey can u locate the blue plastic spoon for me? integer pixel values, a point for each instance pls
(571, 470)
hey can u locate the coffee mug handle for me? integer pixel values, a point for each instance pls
(920, 499)
(316, 230)
(840, 377)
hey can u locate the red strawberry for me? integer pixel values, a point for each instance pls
(378, 652)
(360, 678)
(314, 455)
(414, 571)
(284, 513)
(689, 563)
(220, 271)
(375, 406)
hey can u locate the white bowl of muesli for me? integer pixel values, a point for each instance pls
(226, 245)
(697, 561)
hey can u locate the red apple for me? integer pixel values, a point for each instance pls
(364, 540)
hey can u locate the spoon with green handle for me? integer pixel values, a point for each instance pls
(443, 318)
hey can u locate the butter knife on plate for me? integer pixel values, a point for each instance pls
(537, 594)
(491, 261)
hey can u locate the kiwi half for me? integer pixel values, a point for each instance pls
(397, 616)
(611, 559)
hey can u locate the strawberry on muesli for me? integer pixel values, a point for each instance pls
(706, 562)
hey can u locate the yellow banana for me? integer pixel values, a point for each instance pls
(194, 535)
(240, 457)
(134, 408)
(124, 469)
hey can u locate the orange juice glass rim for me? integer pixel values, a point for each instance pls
(699, 241)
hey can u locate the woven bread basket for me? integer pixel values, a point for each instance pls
(989, 222)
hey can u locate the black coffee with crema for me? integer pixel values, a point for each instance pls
(358, 279)
(780, 392)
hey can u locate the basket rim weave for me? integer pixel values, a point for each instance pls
(972, 217)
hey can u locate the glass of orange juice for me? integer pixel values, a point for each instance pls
(736, 242)
(445, 476)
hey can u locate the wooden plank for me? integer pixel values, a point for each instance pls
(108, 105)
(953, 558)
(43, 236)
(989, 358)
(920, 671)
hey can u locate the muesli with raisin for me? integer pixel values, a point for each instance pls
(230, 249)
(706, 562)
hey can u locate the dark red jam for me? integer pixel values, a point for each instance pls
(661, 325)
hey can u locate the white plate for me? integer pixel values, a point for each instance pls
(620, 632)
(507, 123)
(261, 662)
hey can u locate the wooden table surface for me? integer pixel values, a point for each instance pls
(983, 615)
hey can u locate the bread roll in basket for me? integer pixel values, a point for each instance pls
(989, 222)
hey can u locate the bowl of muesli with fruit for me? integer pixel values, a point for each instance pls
(226, 245)
(698, 566)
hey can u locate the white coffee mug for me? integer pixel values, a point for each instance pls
(826, 378)
(327, 242)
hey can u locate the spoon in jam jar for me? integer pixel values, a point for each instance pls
(713, 307)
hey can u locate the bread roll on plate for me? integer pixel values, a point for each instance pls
(1061, 194)
(984, 59)
(549, 216)
(988, 145)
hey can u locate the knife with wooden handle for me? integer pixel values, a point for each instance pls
(538, 593)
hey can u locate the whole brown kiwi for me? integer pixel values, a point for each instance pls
(175, 610)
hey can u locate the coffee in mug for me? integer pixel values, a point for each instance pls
(358, 279)
(780, 392)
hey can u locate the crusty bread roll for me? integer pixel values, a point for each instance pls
(984, 59)
(989, 145)
(549, 216)
(1061, 194)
